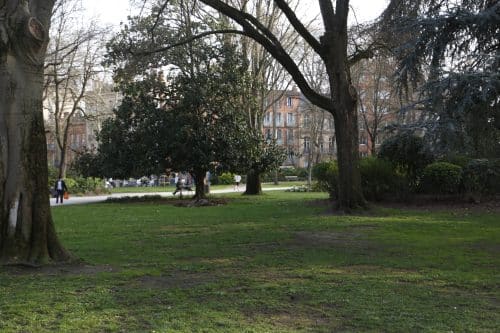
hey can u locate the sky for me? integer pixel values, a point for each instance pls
(113, 12)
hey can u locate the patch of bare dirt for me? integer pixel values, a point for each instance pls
(200, 203)
(421, 203)
(59, 269)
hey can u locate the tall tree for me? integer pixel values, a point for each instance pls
(341, 102)
(72, 62)
(27, 233)
(451, 50)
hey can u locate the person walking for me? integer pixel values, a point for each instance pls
(60, 188)
(237, 180)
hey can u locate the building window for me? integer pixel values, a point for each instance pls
(278, 119)
(290, 119)
(289, 138)
(307, 144)
(321, 147)
(279, 136)
(267, 118)
(307, 120)
(289, 102)
(362, 140)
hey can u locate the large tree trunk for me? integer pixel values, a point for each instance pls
(253, 185)
(27, 233)
(345, 115)
(199, 193)
(350, 193)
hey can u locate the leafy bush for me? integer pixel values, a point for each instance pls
(82, 185)
(327, 174)
(459, 160)
(409, 155)
(378, 178)
(300, 173)
(53, 177)
(441, 178)
(481, 177)
(226, 178)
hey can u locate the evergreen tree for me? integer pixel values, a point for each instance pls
(451, 50)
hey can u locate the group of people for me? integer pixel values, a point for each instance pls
(60, 188)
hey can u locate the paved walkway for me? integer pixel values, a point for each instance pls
(100, 198)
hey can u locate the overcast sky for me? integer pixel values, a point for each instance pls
(112, 12)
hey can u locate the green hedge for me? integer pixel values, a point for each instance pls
(481, 177)
(326, 174)
(409, 154)
(441, 178)
(82, 185)
(378, 179)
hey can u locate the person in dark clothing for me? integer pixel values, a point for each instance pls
(60, 188)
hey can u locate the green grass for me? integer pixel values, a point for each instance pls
(276, 263)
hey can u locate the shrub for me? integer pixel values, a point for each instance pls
(441, 178)
(459, 160)
(327, 173)
(226, 178)
(378, 178)
(409, 155)
(53, 177)
(300, 173)
(481, 177)
(84, 185)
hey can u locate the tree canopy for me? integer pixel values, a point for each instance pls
(187, 113)
(451, 51)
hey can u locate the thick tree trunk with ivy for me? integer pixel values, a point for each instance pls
(27, 234)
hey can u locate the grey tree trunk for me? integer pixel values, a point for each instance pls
(27, 233)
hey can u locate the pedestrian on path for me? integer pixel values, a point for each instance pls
(237, 180)
(60, 188)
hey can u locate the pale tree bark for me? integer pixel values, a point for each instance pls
(342, 99)
(27, 233)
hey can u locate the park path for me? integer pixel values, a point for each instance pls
(101, 198)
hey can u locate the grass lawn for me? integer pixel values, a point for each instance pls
(277, 263)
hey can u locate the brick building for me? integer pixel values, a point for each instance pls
(305, 131)
(308, 132)
(97, 106)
